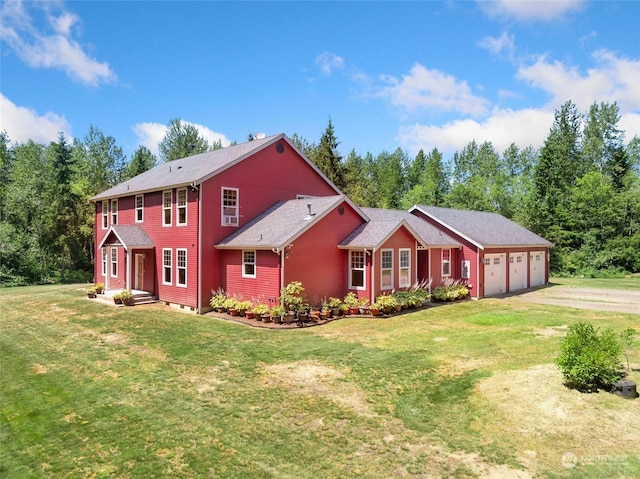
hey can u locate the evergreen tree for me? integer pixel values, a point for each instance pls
(142, 160)
(327, 158)
(182, 140)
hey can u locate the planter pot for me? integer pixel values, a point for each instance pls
(335, 312)
(375, 312)
(249, 314)
(128, 302)
(234, 312)
(99, 291)
(354, 310)
(387, 309)
(266, 318)
(277, 319)
(324, 314)
(117, 300)
(288, 319)
(91, 295)
(303, 317)
(398, 308)
(220, 309)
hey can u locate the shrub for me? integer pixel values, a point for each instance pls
(588, 360)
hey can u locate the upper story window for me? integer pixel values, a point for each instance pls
(182, 207)
(356, 269)
(405, 268)
(229, 207)
(386, 269)
(446, 262)
(139, 208)
(249, 264)
(166, 208)
(105, 215)
(114, 212)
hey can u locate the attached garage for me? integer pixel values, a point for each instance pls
(537, 268)
(495, 278)
(517, 271)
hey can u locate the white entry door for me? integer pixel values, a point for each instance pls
(517, 271)
(494, 274)
(139, 278)
(537, 268)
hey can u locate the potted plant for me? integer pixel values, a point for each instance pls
(351, 300)
(243, 307)
(91, 293)
(217, 300)
(291, 296)
(374, 309)
(127, 297)
(261, 310)
(334, 305)
(99, 288)
(117, 298)
(386, 302)
(277, 312)
(231, 305)
(325, 311)
(363, 305)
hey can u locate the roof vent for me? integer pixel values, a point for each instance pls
(309, 214)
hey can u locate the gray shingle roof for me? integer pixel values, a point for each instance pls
(428, 235)
(281, 224)
(482, 228)
(130, 236)
(193, 169)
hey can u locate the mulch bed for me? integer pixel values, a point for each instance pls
(256, 323)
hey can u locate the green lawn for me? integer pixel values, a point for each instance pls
(459, 390)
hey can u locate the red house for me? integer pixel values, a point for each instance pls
(253, 217)
(496, 255)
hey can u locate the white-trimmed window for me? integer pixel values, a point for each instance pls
(181, 265)
(105, 215)
(229, 207)
(386, 269)
(167, 265)
(114, 212)
(166, 208)
(405, 268)
(114, 262)
(356, 270)
(182, 207)
(139, 208)
(104, 261)
(446, 262)
(465, 269)
(248, 264)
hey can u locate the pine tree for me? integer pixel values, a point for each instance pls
(327, 158)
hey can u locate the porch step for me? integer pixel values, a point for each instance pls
(143, 298)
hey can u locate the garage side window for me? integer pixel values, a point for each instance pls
(446, 262)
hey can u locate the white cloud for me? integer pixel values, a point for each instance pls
(51, 46)
(525, 10)
(613, 80)
(503, 127)
(503, 44)
(23, 124)
(423, 90)
(328, 62)
(150, 134)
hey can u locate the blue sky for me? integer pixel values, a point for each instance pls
(389, 74)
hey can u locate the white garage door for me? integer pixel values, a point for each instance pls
(536, 268)
(517, 271)
(494, 274)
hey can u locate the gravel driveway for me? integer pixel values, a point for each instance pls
(599, 299)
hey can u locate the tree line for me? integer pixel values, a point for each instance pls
(580, 190)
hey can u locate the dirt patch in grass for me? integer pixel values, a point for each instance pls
(596, 299)
(551, 331)
(535, 407)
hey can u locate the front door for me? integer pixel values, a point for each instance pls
(139, 279)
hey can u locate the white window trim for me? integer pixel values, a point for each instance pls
(448, 262)
(466, 268)
(383, 269)
(139, 208)
(255, 267)
(105, 214)
(178, 207)
(229, 220)
(165, 208)
(178, 267)
(114, 212)
(164, 266)
(363, 269)
(401, 268)
(114, 262)
(105, 261)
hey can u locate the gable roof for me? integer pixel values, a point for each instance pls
(374, 234)
(129, 236)
(483, 229)
(281, 224)
(428, 235)
(194, 170)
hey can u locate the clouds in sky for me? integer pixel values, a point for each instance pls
(26, 124)
(530, 10)
(51, 44)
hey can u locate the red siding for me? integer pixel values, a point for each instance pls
(401, 239)
(265, 287)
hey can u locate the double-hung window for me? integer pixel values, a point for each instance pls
(446, 262)
(465, 269)
(356, 269)
(114, 212)
(181, 265)
(139, 208)
(114, 262)
(166, 208)
(386, 269)
(249, 264)
(105, 215)
(104, 261)
(405, 268)
(166, 266)
(229, 207)
(182, 207)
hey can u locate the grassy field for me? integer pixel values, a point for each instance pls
(460, 390)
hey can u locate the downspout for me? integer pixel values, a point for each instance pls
(373, 274)
(199, 292)
(430, 277)
(281, 252)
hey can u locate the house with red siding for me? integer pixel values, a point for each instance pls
(253, 217)
(496, 254)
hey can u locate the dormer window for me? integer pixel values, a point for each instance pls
(229, 207)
